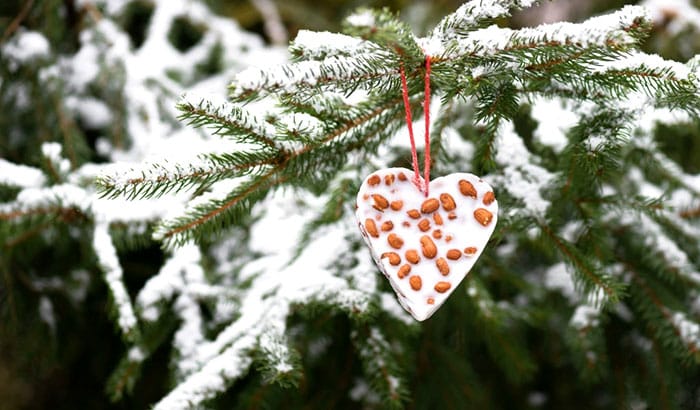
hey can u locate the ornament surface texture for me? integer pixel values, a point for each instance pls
(425, 246)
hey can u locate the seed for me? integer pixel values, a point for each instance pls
(448, 238)
(451, 216)
(394, 241)
(406, 224)
(412, 256)
(483, 216)
(470, 250)
(404, 270)
(429, 205)
(380, 202)
(402, 177)
(428, 247)
(442, 287)
(424, 225)
(437, 218)
(365, 197)
(371, 227)
(466, 188)
(396, 205)
(389, 179)
(442, 266)
(454, 254)
(447, 202)
(394, 257)
(431, 301)
(387, 226)
(413, 213)
(489, 197)
(374, 180)
(416, 282)
(437, 234)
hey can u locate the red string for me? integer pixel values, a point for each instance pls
(409, 124)
(426, 119)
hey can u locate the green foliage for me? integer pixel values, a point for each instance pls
(585, 298)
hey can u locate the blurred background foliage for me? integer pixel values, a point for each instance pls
(67, 367)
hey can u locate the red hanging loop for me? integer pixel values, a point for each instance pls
(409, 123)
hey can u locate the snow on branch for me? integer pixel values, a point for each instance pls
(643, 64)
(520, 175)
(323, 44)
(343, 72)
(109, 262)
(473, 13)
(620, 29)
(20, 176)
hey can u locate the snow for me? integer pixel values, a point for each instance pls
(554, 119)
(635, 61)
(364, 18)
(109, 262)
(20, 176)
(93, 113)
(596, 31)
(557, 277)
(321, 43)
(677, 14)
(521, 176)
(46, 312)
(585, 316)
(25, 47)
(688, 330)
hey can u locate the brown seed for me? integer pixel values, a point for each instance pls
(394, 257)
(406, 224)
(416, 282)
(396, 205)
(413, 213)
(489, 197)
(412, 256)
(374, 180)
(402, 177)
(403, 271)
(424, 225)
(371, 227)
(466, 188)
(365, 197)
(437, 234)
(428, 247)
(442, 266)
(442, 287)
(380, 202)
(448, 238)
(389, 179)
(430, 301)
(451, 216)
(429, 205)
(483, 216)
(394, 241)
(437, 218)
(447, 202)
(470, 250)
(387, 226)
(454, 254)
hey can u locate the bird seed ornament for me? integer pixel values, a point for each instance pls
(425, 236)
(425, 246)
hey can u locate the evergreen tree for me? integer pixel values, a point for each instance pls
(222, 232)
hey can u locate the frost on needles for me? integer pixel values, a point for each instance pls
(256, 217)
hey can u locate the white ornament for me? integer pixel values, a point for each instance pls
(425, 246)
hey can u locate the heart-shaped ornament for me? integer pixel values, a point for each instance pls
(425, 246)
